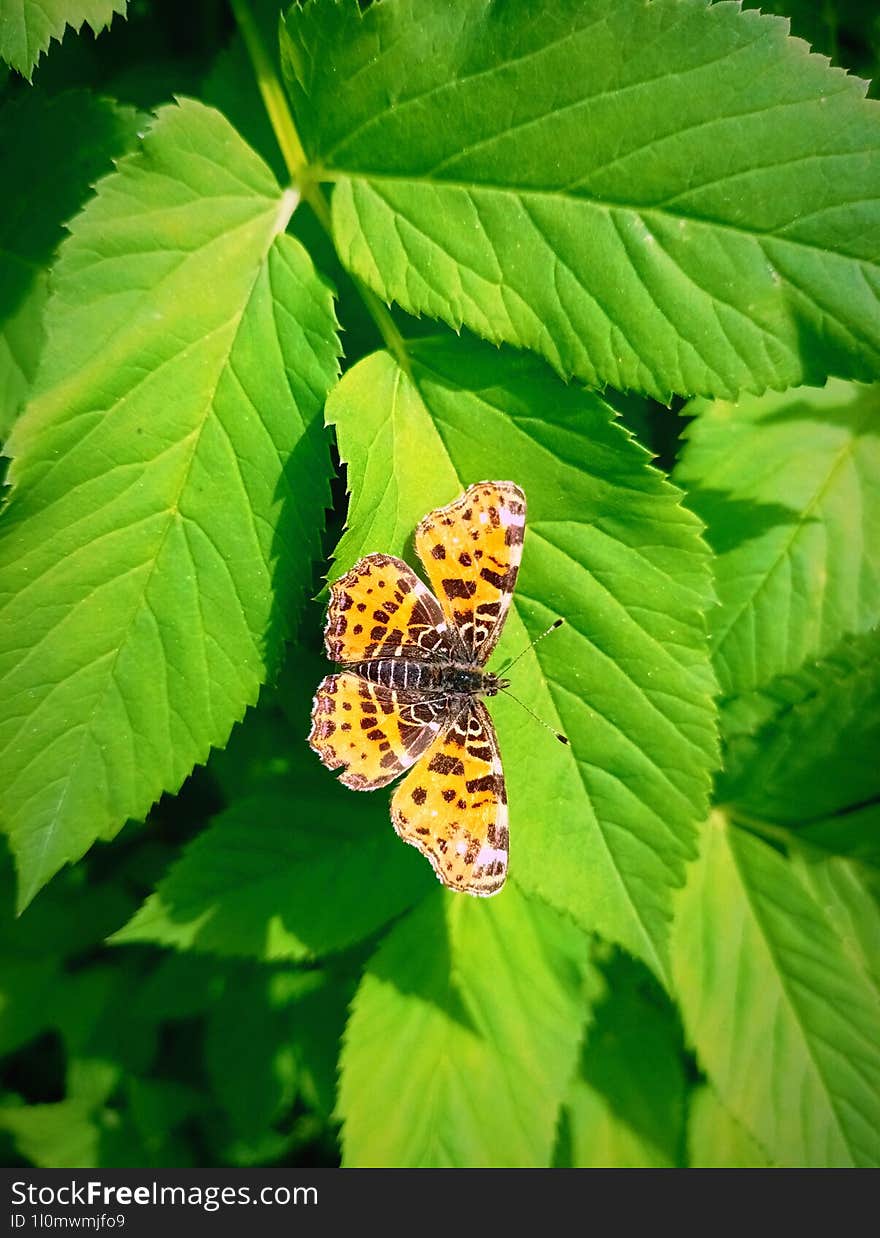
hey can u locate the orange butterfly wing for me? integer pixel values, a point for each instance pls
(380, 609)
(371, 732)
(471, 552)
(453, 805)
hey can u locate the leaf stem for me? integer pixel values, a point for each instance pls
(781, 835)
(273, 95)
(757, 825)
(387, 327)
(302, 174)
(376, 308)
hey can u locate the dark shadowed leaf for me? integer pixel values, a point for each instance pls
(28, 26)
(625, 1107)
(817, 753)
(53, 152)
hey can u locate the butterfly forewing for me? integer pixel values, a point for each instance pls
(380, 609)
(453, 805)
(471, 552)
(371, 732)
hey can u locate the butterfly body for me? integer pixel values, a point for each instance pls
(446, 679)
(411, 688)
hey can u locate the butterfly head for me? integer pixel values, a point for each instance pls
(493, 684)
(472, 681)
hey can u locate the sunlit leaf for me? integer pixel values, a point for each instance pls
(55, 1136)
(602, 828)
(463, 1035)
(789, 486)
(784, 1020)
(716, 1140)
(670, 196)
(168, 484)
(847, 893)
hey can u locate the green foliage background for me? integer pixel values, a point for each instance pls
(268, 293)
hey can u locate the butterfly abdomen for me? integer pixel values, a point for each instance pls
(446, 678)
(401, 674)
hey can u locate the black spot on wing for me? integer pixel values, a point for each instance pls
(488, 782)
(459, 588)
(503, 582)
(443, 764)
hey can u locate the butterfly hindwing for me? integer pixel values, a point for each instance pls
(380, 609)
(453, 805)
(471, 552)
(371, 732)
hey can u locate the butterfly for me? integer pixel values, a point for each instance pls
(410, 694)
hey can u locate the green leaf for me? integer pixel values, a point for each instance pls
(27, 26)
(283, 876)
(249, 1061)
(594, 1137)
(817, 753)
(231, 87)
(103, 1032)
(603, 828)
(626, 1106)
(789, 486)
(317, 1023)
(53, 151)
(267, 1148)
(169, 477)
(716, 1140)
(669, 196)
(38, 986)
(158, 1106)
(73, 917)
(845, 891)
(27, 988)
(855, 833)
(263, 748)
(77, 1134)
(21, 338)
(846, 30)
(66, 1135)
(463, 1035)
(784, 1021)
(179, 987)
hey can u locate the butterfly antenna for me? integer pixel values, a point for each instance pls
(563, 739)
(557, 623)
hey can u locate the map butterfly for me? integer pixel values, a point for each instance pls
(410, 694)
